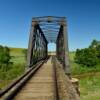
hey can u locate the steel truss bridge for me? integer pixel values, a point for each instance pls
(43, 31)
(47, 77)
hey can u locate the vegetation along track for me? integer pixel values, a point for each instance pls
(39, 83)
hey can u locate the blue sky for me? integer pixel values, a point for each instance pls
(83, 19)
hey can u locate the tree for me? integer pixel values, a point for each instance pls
(4, 57)
(89, 56)
(7, 56)
(93, 44)
(1, 55)
(98, 51)
(96, 45)
(78, 56)
(86, 57)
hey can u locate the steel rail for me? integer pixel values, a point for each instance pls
(9, 92)
(55, 77)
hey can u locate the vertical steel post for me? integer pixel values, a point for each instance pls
(46, 49)
(31, 44)
(66, 52)
(57, 48)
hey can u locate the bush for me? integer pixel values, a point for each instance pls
(88, 56)
(4, 57)
(98, 51)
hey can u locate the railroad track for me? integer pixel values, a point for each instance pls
(39, 83)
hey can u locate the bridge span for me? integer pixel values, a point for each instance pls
(47, 77)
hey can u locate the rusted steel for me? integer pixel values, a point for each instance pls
(45, 30)
(62, 48)
(37, 43)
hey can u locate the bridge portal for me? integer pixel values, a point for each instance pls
(43, 31)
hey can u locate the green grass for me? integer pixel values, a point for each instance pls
(15, 70)
(80, 69)
(17, 55)
(90, 88)
(89, 79)
(7, 77)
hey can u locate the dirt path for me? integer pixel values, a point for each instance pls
(87, 75)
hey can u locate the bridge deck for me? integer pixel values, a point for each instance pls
(41, 86)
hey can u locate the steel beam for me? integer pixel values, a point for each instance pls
(66, 52)
(31, 44)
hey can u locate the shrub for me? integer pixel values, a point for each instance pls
(4, 57)
(98, 51)
(88, 56)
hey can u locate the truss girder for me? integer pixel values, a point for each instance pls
(37, 49)
(44, 30)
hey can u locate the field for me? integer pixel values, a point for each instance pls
(17, 55)
(89, 78)
(15, 70)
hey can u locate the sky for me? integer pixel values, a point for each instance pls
(83, 20)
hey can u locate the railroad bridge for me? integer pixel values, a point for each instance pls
(47, 77)
(45, 30)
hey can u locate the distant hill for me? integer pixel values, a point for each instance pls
(16, 49)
